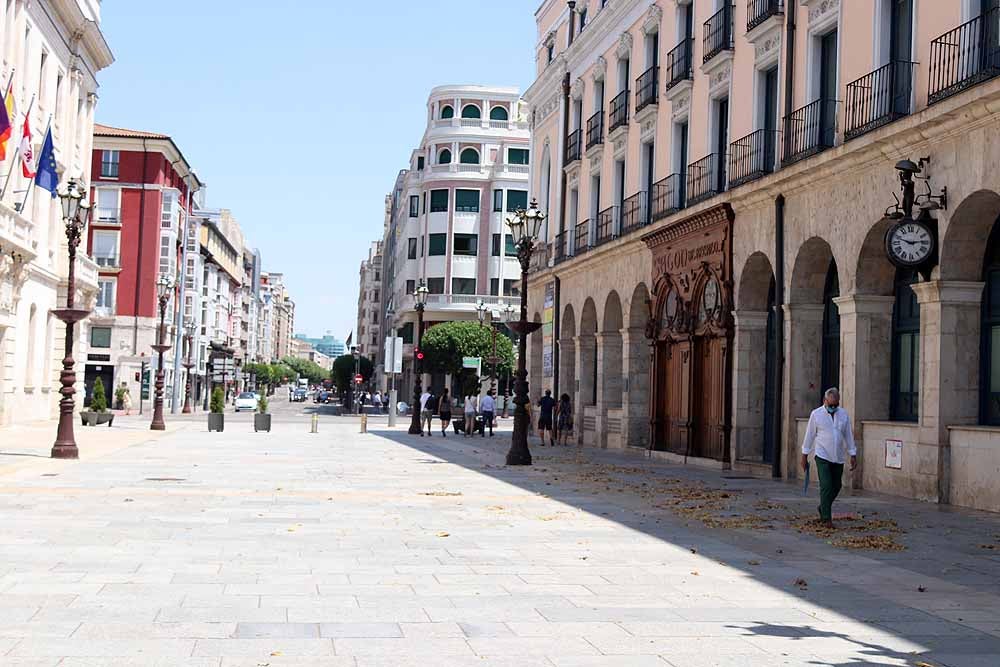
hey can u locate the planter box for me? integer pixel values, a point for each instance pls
(97, 418)
(262, 422)
(216, 422)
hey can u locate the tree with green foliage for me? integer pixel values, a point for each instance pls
(98, 399)
(343, 371)
(262, 404)
(444, 345)
(218, 403)
(307, 369)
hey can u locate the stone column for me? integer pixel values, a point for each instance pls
(585, 356)
(609, 381)
(749, 369)
(865, 364)
(635, 398)
(801, 376)
(950, 319)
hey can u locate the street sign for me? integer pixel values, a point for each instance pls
(475, 363)
(358, 379)
(394, 354)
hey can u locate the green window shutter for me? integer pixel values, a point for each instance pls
(498, 113)
(517, 156)
(469, 156)
(517, 199)
(444, 157)
(467, 201)
(510, 250)
(439, 201)
(447, 111)
(471, 111)
(437, 244)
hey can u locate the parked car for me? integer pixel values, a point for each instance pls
(246, 401)
(320, 396)
(299, 395)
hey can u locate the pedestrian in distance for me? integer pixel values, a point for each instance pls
(829, 437)
(424, 397)
(126, 399)
(470, 415)
(430, 409)
(488, 409)
(564, 419)
(546, 406)
(377, 401)
(444, 411)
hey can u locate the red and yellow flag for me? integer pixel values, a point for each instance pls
(6, 119)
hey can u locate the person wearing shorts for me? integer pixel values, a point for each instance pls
(546, 404)
(445, 411)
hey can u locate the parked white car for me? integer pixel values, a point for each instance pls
(246, 401)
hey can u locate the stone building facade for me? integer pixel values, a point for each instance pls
(716, 248)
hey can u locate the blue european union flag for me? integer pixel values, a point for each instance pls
(47, 177)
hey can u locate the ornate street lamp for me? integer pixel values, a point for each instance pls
(164, 288)
(524, 228)
(506, 315)
(485, 313)
(76, 214)
(420, 296)
(189, 329)
(355, 386)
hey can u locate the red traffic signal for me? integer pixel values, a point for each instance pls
(137, 376)
(420, 355)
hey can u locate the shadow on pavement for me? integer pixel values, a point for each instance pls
(902, 607)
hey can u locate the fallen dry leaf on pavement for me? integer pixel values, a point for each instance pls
(443, 534)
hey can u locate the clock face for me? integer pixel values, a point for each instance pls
(910, 243)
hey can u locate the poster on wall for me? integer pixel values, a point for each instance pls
(894, 454)
(548, 313)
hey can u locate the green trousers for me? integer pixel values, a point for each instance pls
(830, 477)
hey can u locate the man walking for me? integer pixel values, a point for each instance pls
(546, 404)
(488, 409)
(829, 434)
(425, 414)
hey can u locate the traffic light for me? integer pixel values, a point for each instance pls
(419, 353)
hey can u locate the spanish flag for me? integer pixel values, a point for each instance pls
(6, 119)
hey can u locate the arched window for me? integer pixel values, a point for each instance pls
(830, 371)
(447, 111)
(989, 382)
(469, 156)
(444, 157)
(471, 111)
(498, 113)
(905, 388)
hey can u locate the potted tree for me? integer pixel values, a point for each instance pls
(217, 407)
(98, 413)
(120, 397)
(262, 419)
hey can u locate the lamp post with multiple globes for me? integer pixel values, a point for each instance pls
(76, 214)
(420, 297)
(189, 329)
(164, 288)
(524, 228)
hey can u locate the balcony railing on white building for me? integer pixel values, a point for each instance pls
(481, 123)
(459, 301)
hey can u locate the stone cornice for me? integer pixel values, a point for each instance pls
(701, 220)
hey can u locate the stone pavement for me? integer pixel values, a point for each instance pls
(392, 550)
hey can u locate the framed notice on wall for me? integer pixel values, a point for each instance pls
(548, 330)
(894, 454)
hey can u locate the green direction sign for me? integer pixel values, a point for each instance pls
(145, 383)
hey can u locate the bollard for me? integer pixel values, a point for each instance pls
(364, 422)
(315, 424)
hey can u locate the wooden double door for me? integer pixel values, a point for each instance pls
(691, 396)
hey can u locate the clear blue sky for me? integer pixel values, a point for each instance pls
(299, 114)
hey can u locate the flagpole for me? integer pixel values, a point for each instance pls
(31, 183)
(13, 165)
(12, 121)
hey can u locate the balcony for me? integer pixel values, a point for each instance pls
(595, 130)
(635, 212)
(581, 238)
(17, 233)
(606, 226)
(647, 88)
(678, 65)
(809, 130)
(718, 33)
(573, 146)
(878, 98)
(965, 56)
(560, 248)
(107, 216)
(504, 168)
(668, 196)
(759, 11)
(703, 179)
(461, 302)
(752, 157)
(618, 111)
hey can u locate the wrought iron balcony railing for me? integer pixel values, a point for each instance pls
(646, 88)
(618, 111)
(809, 130)
(573, 146)
(668, 195)
(718, 33)
(678, 65)
(759, 11)
(595, 130)
(581, 238)
(704, 179)
(965, 56)
(560, 248)
(635, 212)
(752, 157)
(878, 98)
(605, 230)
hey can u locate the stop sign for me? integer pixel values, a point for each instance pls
(358, 379)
